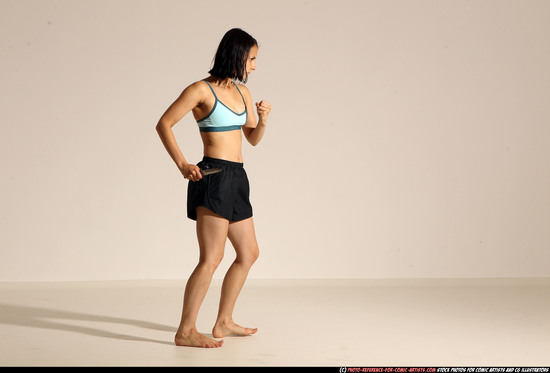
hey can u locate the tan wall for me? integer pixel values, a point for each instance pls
(407, 138)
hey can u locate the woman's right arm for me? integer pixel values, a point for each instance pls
(190, 98)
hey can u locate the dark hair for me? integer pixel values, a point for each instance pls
(231, 56)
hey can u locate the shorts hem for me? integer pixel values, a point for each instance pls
(193, 215)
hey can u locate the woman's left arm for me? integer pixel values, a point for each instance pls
(254, 129)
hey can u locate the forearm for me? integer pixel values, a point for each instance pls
(256, 134)
(169, 141)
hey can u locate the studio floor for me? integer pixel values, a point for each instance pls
(418, 322)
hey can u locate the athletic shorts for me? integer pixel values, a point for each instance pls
(225, 193)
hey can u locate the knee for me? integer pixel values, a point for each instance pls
(250, 257)
(211, 263)
(256, 255)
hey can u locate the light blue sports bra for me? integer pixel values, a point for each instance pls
(222, 118)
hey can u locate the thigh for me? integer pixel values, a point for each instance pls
(212, 231)
(243, 238)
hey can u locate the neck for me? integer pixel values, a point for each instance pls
(227, 82)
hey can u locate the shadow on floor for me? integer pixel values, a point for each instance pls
(46, 318)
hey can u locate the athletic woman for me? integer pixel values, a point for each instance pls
(218, 188)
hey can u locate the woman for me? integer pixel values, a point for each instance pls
(218, 189)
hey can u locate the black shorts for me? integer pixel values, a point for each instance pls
(225, 193)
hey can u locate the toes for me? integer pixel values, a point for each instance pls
(216, 344)
(251, 330)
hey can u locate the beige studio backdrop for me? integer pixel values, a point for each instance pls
(408, 139)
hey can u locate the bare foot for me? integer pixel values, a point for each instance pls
(222, 329)
(195, 339)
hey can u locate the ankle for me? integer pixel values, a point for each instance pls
(224, 321)
(186, 330)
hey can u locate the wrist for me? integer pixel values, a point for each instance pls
(182, 164)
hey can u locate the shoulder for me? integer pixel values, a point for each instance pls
(244, 90)
(197, 90)
(197, 87)
(242, 87)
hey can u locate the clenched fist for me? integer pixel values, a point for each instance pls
(263, 108)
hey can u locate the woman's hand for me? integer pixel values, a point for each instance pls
(191, 172)
(263, 108)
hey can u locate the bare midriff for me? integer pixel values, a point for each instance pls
(223, 145)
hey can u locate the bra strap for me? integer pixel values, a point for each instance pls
(212, 89)
(240, 94)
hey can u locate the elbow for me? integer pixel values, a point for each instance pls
(161, 126)
(251, 140)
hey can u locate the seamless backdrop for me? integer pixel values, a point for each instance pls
(407, 139)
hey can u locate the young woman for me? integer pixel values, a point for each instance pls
(218, 189)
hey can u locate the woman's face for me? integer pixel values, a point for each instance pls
(251, 61)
